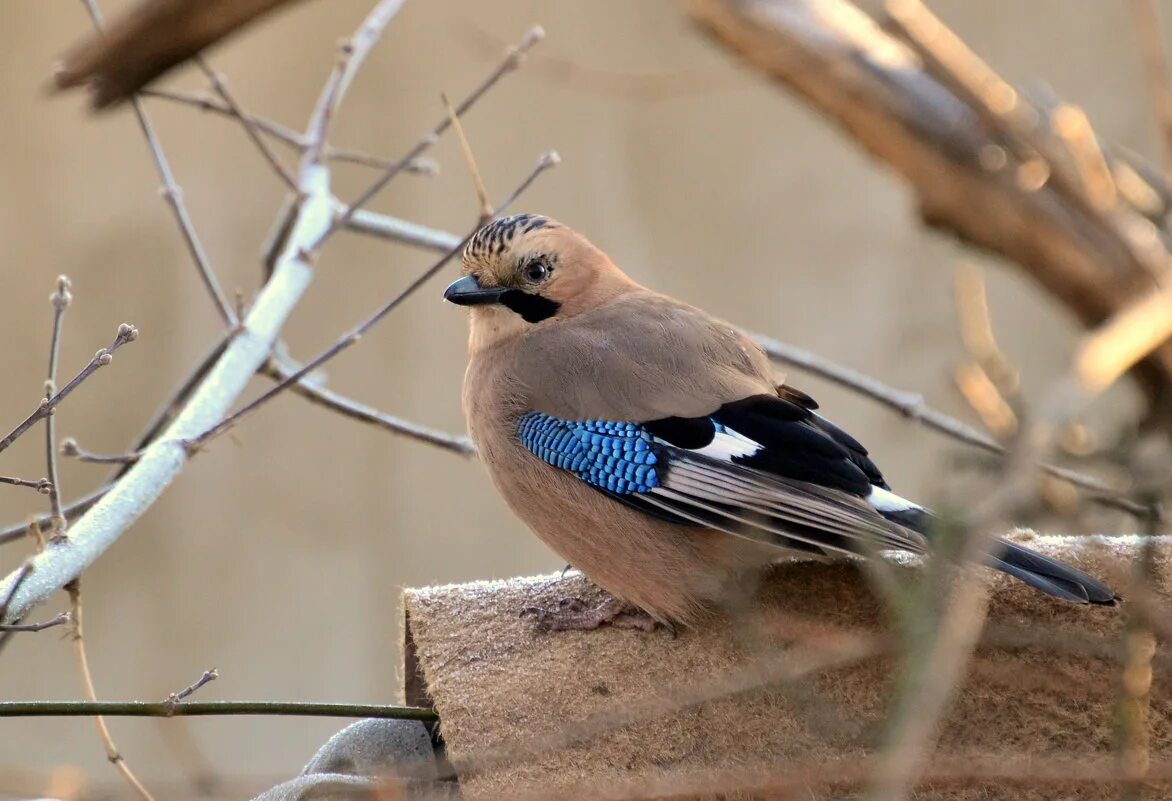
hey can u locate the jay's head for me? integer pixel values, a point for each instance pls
(527, 270)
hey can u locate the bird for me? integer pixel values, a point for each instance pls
(647, 443)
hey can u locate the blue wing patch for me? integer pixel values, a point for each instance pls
(616, 457)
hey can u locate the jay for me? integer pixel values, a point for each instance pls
(647, 443)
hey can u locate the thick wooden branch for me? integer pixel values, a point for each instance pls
(974, 171)
(150, 38)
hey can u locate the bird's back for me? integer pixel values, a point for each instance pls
(642, 356)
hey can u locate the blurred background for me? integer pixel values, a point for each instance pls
(279, 554)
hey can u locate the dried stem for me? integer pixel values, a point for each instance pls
(18, 578)
(87, 682)
(163, 416)
(511, 61)
(397, 230)
(194, 443)
(69, 447)
(60, 301)
(19, 531)
(470, 160)
(59, 619)
(221, 87)
(126, 333)
(41, 485)
(208, 676)
(288, 136)
(354, 53)
(161, 709)
(21, 575)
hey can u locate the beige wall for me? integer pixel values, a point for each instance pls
(278, 555)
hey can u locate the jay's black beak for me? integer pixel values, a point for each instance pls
(467, 291)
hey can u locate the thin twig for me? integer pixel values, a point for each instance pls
(161, 709)
(69, 447)
(158, 423)
(41, 485)
(22, 574)
(511, 61)
(208, 676)
(1155, 55)
(221, 87)
(59, 619)
(87, 682)
(470, 160)
(18, 578)
(60, 301)
(173, 195)
(354, 53)
(194, 443)
(281, 369)
(19, 531)
(286, 135)
(126, 333)
(396, 230)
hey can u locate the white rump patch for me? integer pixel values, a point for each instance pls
(886, 501)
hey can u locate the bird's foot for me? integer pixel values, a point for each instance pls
(573, 614)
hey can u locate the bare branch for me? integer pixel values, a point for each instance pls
(421, 166)
(174, 195)
(59, 619)
(41, 485)
(60, 301)
(250, 127)
(194, 443)
(158, 423)
(281, 369)
(18, 578)
(126, 333)
(87, 682)
(982, 161)
(19, 531)
(354, 53)
(512, 60)
(470, 160)
(912, 406)
(161, 709)
(208, 676)
(245, 353)
(397, 230)
(69, 447)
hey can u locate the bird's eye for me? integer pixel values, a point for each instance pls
(535, 272)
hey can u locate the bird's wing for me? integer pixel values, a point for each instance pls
(796, 492)
(676, 414)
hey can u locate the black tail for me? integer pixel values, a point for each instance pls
(1049, 575)
(1040, 572)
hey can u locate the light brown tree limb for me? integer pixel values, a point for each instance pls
(998, 194)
